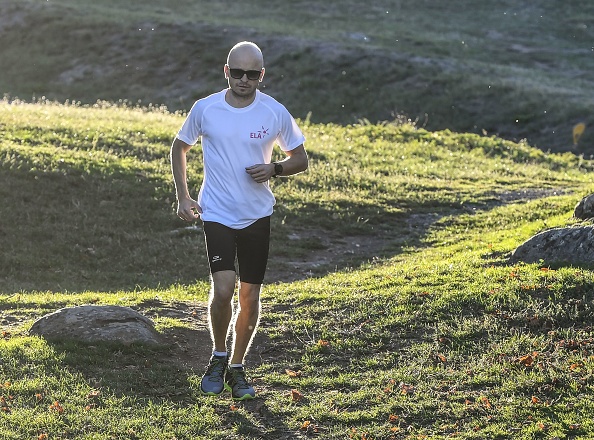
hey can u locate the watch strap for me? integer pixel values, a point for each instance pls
(278, 169)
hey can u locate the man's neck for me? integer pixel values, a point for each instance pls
(237, 101)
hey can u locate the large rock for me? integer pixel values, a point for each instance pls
(93, 323)
(585, 208)
(573, 245)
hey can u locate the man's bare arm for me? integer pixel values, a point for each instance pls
(187, 208)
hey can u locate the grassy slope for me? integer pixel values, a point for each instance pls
(514, 68)
(439, 338)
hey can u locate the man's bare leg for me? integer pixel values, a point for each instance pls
(246, 321)
(221, 307)
(220, 312)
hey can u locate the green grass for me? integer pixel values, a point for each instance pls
(431, 335)
(514, 69)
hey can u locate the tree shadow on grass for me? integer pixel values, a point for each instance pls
(113, 230)
(118, 231)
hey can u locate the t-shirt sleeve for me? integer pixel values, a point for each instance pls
(290, 136)
(191, 129)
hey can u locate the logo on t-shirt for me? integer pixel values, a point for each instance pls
(260, 134)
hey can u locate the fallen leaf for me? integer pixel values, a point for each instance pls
(441, 357)
(57, 407)
(42, 437)
(393, 418)
(296, 395)
(535, 400)
(486, 403)
(292, 373)
(305, 424)
(323, 343)
(526, 360)
(444, 340)
(569, 344)
(406, 388)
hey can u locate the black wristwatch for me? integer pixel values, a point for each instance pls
(278, 169)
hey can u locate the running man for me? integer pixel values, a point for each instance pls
(238, 128)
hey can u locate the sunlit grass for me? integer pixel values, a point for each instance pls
(437, 336)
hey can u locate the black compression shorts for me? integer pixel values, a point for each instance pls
(250, 245)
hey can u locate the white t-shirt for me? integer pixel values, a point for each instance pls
(233, 139)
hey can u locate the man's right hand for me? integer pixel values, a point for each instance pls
(188, 209)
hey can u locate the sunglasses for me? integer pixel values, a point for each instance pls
(252, 75)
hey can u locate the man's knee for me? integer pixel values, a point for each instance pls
(249, 296)
(223, 287)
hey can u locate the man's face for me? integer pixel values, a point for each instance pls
(248, 68)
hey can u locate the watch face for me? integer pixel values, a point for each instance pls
(278, 168)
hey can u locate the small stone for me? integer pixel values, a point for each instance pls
(585, 208)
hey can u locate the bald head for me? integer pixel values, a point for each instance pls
(245, 53)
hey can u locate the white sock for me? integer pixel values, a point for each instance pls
(219, 353)
(236, 365)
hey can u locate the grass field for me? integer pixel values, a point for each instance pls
(389, 312)
(517, 69)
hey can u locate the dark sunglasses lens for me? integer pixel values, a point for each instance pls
(238, 74)
(253, 74)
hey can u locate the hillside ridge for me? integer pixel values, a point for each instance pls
(503, 78)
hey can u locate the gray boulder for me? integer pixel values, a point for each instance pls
(572, 245)
(92, 323)
(585, 208)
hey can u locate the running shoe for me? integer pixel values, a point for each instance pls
(236, 382)
(213, 381)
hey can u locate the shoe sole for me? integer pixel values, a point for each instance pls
(211, 393)
(244, 397)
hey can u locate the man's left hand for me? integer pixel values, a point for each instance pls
(261, 172)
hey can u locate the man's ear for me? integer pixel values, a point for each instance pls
(262, 74)
(226, 71)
